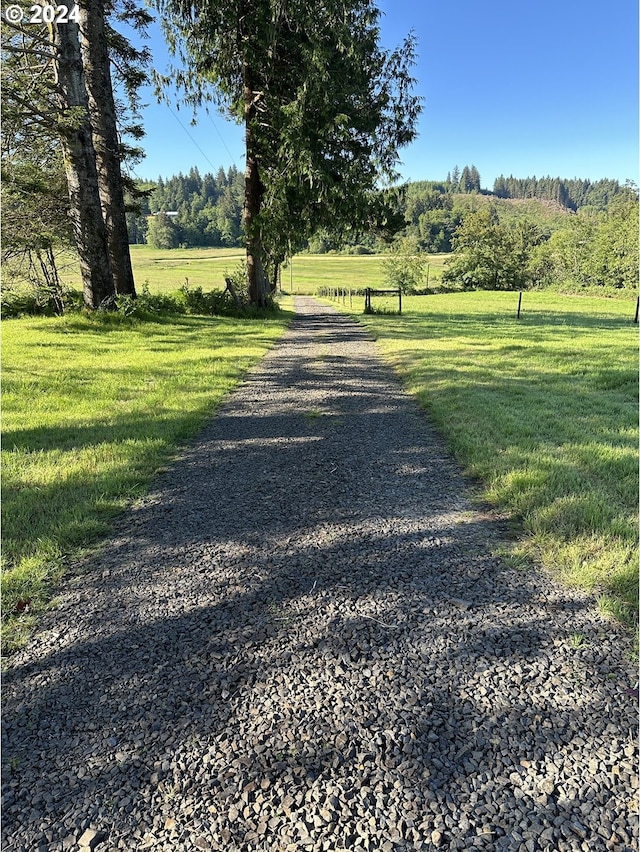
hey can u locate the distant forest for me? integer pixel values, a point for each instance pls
(206, 210)
(571, 194)
(190, 210)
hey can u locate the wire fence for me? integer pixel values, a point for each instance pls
(346, 295)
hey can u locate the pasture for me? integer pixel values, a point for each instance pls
(167, 270)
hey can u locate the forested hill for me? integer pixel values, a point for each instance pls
(572, 194)
(206, 210)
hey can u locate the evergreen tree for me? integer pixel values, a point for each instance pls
(62, 84)
(162, 232)
(106, 144)
(76, 137)
(311, 159)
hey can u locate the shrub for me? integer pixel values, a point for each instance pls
(405, 267)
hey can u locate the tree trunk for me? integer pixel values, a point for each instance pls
(253, 190)
(97, 74)
(80, 167)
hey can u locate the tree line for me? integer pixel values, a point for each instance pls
(206, 210)
(572, 194)
(189, 210)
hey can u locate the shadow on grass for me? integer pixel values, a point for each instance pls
(538, 326)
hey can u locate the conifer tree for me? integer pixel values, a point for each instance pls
(325, 110)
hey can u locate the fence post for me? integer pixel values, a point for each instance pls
(519, 304)
(637, 306)
(399, 300)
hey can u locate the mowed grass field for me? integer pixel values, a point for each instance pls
(543, 412)
(167, 270)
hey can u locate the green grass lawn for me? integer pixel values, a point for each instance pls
(206, 268)
(309, 272)
(92, 407)
(543, 412)
(167, 270)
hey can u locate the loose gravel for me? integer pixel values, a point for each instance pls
(302, 641)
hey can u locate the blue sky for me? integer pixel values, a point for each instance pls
(537, 88)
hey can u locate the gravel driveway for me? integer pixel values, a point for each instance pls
(302, 641)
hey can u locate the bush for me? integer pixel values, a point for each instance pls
(31, 300)
(405, 267)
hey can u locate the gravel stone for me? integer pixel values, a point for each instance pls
(303, 638)
(90, 839)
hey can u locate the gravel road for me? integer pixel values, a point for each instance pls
(302, 641)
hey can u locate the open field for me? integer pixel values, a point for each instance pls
(312, 271)
(542, 412)
(166, 270)
(92, 407)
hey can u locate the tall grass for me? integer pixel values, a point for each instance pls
(92, 407)
(543, 411)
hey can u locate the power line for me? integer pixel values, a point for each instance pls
(190, 136)
(215, 127)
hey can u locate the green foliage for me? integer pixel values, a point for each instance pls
(491, 256)
(594, 250)
(35, 222)
(405, 267)
(319, 159)
(470, 180)
(162, 232)
(572, 194)
(208, 207)
(192, 300)
(35, 299)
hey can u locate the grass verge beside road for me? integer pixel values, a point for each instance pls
(93, 406)
(543, 412)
